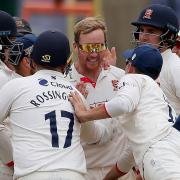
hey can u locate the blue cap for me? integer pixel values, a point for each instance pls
(22, 48)
(147, 59)
(51, 49)
(7, 25)
(127, 54)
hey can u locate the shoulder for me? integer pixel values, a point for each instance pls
(173, 64)
(16, 82)
(116, 72)
(4, 78)
(134, 79)
(170, 58)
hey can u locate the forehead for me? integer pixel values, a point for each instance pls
(96, 36)
(150, 28)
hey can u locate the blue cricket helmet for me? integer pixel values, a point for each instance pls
(162, 17)
(7, 25)
(22, 48)
(159, 16)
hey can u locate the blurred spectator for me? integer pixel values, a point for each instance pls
(23, 26)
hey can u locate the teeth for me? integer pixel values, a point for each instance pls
(92, 60)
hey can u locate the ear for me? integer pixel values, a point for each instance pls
(25, 62)
(75, 46)
(132, 69)
(33, 65)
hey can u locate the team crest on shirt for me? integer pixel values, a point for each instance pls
(148, 14)
(115, 84)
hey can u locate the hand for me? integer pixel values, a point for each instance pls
(78, 105)
(81, 87)
(109, 58)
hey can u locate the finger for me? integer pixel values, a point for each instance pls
(113, 53)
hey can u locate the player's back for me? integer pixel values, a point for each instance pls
(152, 116)
(46, 134)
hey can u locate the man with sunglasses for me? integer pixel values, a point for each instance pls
(106, 141)
(158, 25)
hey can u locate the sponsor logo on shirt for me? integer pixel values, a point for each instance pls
(43, 82)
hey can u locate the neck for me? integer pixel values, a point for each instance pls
(91, 74)
(58, 69)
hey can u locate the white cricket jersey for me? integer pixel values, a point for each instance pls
(6, 74)
(147, 115)
(169, 78)
(113, 141)
(45, 132)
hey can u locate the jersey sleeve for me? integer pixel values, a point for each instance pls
(176, 73)
(6, 99)
(128, 96)
(94, 132)
(6, 154)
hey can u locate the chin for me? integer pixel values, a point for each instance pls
(92, 67)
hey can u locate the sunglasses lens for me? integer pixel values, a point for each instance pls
(92, 47)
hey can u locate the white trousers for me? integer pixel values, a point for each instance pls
(162, 160)
(59, 175)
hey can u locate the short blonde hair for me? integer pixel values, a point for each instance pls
(88, 25)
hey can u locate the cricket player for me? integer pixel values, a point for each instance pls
(148, 119)
(7, 36)
(45, 131)
(158, 25)
(106, 141)
(22, 61)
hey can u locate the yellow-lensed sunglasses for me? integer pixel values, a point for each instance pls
(90, 48)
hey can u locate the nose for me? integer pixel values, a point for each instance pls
(143, 36)
(93, 54)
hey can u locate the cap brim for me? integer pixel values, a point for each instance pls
(128, 53)
(23, 31)
(138, 23)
